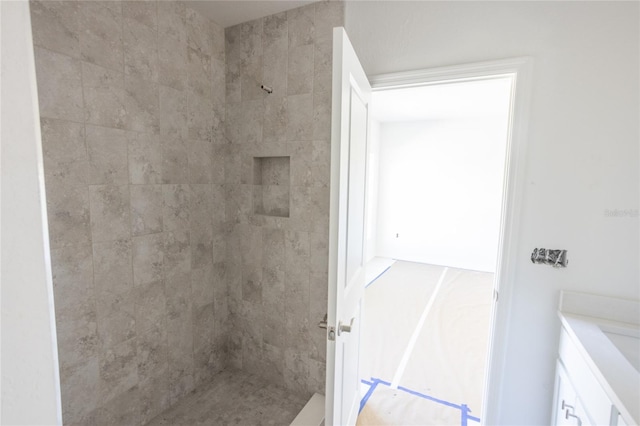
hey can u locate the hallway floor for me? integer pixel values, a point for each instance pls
(424, 340)
(234, 398)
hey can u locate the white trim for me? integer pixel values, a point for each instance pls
(448, 74)
(520, 69)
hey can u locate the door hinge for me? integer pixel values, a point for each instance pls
(496, 295)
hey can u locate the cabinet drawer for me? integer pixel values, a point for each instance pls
(591, 395)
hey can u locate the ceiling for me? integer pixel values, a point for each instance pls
(472, 99)
(231, 12)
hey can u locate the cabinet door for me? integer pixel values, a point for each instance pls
(566, 407)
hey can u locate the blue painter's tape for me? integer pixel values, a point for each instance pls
(430, 398)
(465, 417)
(381, 274)
(464, 409)
(374, 383)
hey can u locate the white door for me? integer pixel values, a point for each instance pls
(350, 120)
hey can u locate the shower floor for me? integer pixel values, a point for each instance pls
(234, 398)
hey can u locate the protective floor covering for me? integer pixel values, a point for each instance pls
(234, 398)
(440, 381)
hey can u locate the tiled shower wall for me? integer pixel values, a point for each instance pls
(132, 99)
(277, 187)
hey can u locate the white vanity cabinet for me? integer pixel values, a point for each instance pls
(579, 398)
(598, 367)
(567, 407)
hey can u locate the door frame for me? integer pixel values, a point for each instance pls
(512, 198)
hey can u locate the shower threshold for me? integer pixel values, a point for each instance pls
(234, 397)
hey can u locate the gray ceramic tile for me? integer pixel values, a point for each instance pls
(177, 258)
(60, 86)
(301, 163)
(146, 209)
(150, 306)
(301, 25)
(319, 252)
(77, 337)
(274, 129)
(300, 114)
(118, 370)
(104, 96)
(142, 11)
(123, 409)
(109, 212)
(251, 123)
(217, 41)
(140, 50)
(101, 33)
(79, 387)
(145, 158)
(67, 203)
(300, 71)
(107, 149)
(275, 63)
(116, 319)
(201, 249)
(199, 33)
(63, 140)
(175, 160)
(316, 377)
(75, 305)
(217, 211)
(251, 79)
(199, 116)
(172, 59)
(218, 163)
(321, 163)
(172, 20)
(199, 72)
(217, 79)
(154, 395)
(55, 26)
(275, 28)
(203, 325)
(141, 102)
(200, 161)
(112, 266)
(321, 117)
(176, 212)
(72, 269)
(219, 241)
(202, 287)
(180, 352)
(296, 370)
(152, 353)
(201, 206)
(148, 259)
(229, 389)
(173, 113)
(328, 14)
(273, 249)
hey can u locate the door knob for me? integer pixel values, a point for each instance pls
(343, 328)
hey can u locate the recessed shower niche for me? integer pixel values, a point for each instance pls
(271, 186)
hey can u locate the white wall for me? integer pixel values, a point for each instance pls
(440, 191)
(30, 382)
(373, 166)
(583, 151)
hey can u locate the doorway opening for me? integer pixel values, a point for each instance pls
(437, 169)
